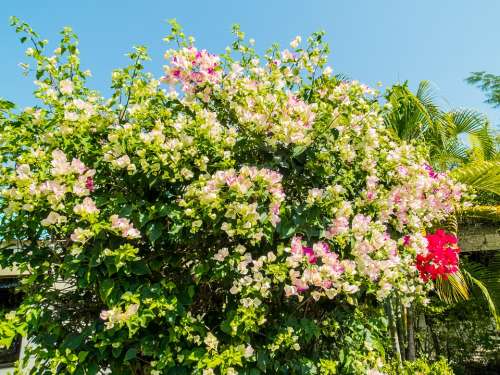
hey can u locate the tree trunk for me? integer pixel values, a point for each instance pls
(411, 335)
(399, 317)
(394, 332)
(423, 343)
(435, 340)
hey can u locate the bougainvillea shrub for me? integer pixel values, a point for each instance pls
(241, 214)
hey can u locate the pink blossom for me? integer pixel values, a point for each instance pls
(311, 258)
(339, 226)
(300, 285)
(78, 167)
(192, 68)
(87, 207)
(89, 184)
(296, 245)
(57, 189)
(80, 235)
(53, 219)
(430, 170)
(60, 165)
(360, 224)
(406, 240)
(125, 227)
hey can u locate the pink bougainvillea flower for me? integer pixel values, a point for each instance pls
(311, 257)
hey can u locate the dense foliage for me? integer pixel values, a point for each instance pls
(420, 367)
(242, 214)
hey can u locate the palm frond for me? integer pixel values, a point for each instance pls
(451, 224)
(427, 97)
(412, 114)
(482, 175)
(488, 283)
(448, 153)
(452, 289)
(458, 286)
(466, 121)
(483, 145)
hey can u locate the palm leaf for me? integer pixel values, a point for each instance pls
(452, 289)
(482, 176)
(457, 286)
(412, 114)
(448, 153)
(487, 280)
(466, 121)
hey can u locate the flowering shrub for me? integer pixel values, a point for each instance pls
(242, 214)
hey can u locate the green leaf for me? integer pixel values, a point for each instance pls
(262, 360)
(131, 354)
(195, 355)
(286, 229)
(106, 288)
(116, 352)
(92, 369)
(126, 210)
(298, 150)
(164, 210)
(140, 268)
(72, 341)
(175, 229)
(82, 355)
(6, 105)
(154, 231)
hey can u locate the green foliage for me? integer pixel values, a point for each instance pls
(421, 366)
(481, 175)
(489, 83)
(464, 332)
(417, 117)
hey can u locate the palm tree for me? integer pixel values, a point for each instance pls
(417, 117)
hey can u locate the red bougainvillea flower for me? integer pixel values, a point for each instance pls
(441, 258)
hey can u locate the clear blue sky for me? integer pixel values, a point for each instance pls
(388, 41)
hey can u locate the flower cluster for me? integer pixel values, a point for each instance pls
(117, 316)
(192, 68)
(242, 202)
(323, 272)
(441, 258)
(173, 149)
(322, 269)
(263, 107)
(31, 190)
(124, 227)
(423, 197)
(86, 208)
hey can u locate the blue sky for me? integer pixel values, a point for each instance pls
(387, 41)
